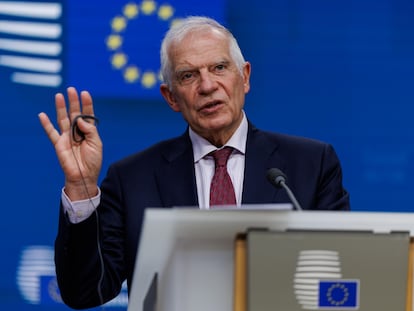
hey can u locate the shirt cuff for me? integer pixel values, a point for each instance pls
(78, 211)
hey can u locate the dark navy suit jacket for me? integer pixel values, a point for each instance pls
(164, 176)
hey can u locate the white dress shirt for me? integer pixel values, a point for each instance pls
(78, 211)
(204, 163)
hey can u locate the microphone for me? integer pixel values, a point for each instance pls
(278, 179)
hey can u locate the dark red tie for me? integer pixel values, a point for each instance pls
(221, 189)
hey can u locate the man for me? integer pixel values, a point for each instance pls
(206, 79)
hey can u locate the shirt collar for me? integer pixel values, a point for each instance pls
(202, 147)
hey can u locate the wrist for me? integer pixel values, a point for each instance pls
(81, 190)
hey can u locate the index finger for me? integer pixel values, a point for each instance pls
(61, 113)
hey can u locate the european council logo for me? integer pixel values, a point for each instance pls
(30, 42)
(318, 282)
(36, 279)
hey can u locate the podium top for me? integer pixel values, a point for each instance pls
(164, 228)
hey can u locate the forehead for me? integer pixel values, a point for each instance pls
(199, 48)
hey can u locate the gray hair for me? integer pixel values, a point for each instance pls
(178, 31)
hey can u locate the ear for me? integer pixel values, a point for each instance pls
(246, 76)
(169, 97)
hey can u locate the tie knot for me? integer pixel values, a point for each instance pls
(221, 156)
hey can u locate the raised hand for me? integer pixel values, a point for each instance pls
(81, 160)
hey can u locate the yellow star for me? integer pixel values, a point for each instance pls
(149, 79)
(118, 23)
(165, 12)
(148, 7)
(131, 74)
(176, 21)
(113, 42)
(119, 60)
(131, 10)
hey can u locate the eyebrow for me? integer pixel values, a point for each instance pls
(185, 69)
(195, 68)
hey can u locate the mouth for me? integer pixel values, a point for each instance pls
(211, 106)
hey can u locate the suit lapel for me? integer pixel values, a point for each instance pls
(176, 178)
(261, 154)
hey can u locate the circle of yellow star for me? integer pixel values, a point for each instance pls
(131, 73)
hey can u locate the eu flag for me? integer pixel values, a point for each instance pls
(338, 294)
(109, 48)
(112, 47)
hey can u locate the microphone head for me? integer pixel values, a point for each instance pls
(276, 177)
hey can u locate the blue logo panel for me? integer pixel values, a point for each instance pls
(339, 294)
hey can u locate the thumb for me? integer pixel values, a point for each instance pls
(83, 125)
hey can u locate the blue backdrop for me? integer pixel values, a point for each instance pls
(339, 71)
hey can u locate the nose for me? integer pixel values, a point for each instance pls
(208, 83)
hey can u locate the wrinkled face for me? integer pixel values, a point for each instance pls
(207, 87)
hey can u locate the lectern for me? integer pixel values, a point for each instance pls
(186, 257)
